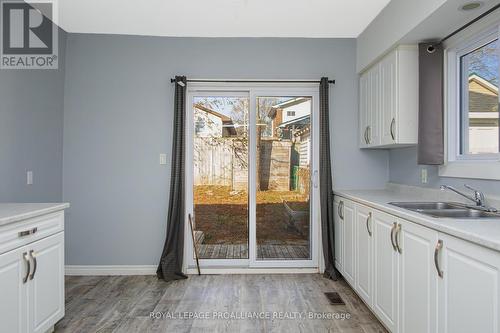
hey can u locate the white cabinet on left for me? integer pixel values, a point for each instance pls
(14, 302)
(32, 274)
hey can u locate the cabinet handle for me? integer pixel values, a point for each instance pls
(394, 225)
(393, 134)
(315, 179)
(368, 219)
(27, 232)
(33, 255)
(369, 132)
(366, 134)
(341, 210)
(28, 266)
(396, 238)
(438, 248)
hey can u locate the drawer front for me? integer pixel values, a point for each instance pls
(24, 232)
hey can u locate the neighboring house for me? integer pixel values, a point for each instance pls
(483, 116)
(209, 123)
(299, 132)
(286, 112)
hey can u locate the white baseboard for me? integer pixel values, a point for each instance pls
(110, 270)
(252, 270)
(151, 270)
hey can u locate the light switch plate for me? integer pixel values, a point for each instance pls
(423, 176)
(163, 159)
(29, 177)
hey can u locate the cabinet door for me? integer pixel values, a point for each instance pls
(46, 285)
(338, 229)
(364, 253)
(364, 108)
(418, 278)
(13, 304)
(386, 270)
(349, 242)
(374, 107)
(388, 96)
(469, 291)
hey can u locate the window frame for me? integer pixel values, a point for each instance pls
(479, 166)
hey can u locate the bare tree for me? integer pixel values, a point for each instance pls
(485, 62)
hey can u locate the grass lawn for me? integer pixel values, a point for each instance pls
(222, 215)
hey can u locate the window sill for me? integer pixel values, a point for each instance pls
(471, 169)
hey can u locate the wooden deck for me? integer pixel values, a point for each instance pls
(240, 251)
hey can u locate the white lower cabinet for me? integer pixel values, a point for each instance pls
(32, 279)
(386, 270)
(338, 231)
(418, 278)
(415, 279)
(14, 296)
(349, 244)
(46, 288)
(364, 253)
(469, 290)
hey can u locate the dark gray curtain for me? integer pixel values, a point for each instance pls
(170, 267)
(430, 113)
(325, 181)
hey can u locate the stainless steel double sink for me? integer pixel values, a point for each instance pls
(447, 210)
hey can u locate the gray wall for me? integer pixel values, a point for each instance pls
(404, 170)
(31, 132)
(118, 118)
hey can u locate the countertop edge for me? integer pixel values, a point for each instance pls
(34, 213)
(492, 244)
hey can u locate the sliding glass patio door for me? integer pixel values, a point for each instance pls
(251, 186)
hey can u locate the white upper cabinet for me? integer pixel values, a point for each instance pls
(389, 100)
(370, 107)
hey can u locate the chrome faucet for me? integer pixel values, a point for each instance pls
(478, 197)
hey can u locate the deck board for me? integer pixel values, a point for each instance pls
(240, 251)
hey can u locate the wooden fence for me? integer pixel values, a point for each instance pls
(224, 161)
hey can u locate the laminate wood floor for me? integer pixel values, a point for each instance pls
(125, 303)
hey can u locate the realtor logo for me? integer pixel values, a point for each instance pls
(29, 36)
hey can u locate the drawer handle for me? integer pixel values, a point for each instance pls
(438, 248)
(28, 266)
(25, 233)
(33, 255)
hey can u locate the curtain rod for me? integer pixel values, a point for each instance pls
(471, 22)
(256, 81)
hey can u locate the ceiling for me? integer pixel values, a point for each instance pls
(220, 18)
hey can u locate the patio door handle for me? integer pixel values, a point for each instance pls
(315, 179)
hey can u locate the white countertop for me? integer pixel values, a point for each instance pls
(13, 212)
(482, 232)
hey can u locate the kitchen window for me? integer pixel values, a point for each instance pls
(472, 100)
